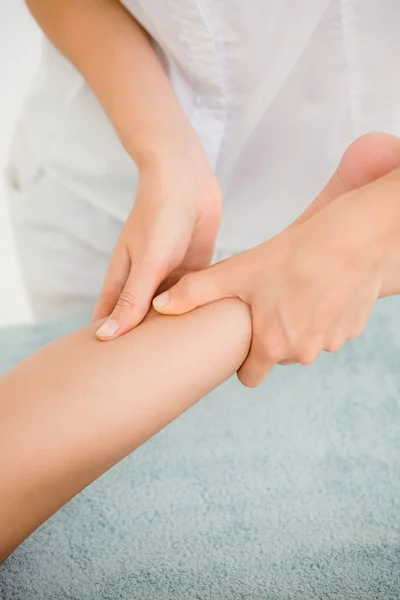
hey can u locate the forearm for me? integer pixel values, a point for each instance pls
(74, 409)
(116, 57)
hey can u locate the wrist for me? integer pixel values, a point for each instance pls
(182, 163)
(162, 145)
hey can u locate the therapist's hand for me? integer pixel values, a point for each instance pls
(170, 231)
(314, 285)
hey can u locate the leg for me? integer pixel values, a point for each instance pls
(74, 409)
(368, 158)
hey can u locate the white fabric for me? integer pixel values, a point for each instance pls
(276, 90)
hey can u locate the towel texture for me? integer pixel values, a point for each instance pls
(290, 491)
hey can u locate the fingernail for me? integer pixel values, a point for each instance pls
(108, 329)
(161, 300)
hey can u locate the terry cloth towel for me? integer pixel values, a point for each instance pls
(290, 491)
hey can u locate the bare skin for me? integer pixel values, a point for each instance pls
(74, 409)
(175, 217)
(336, 261)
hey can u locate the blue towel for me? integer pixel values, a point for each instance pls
(287, 492)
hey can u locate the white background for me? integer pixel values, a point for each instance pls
(19, 54)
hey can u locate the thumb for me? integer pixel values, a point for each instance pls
(196, 289)
(133, 302)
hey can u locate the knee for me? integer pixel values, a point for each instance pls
(368, 158)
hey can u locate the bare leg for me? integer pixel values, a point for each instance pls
(368, 158)
(75, 408)
(71, 411)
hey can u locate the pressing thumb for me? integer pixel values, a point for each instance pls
(192, 291)
(132, 304)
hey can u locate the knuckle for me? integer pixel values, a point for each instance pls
(357, 328)
(356, 331)
(308, 354)
(127, 300)
(334, 345)
(273, 348)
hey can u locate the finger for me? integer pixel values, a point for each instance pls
(197, 289)
(264, 354)
(255, 369)
(175, 276)
(134, 301)
(194, 261)
(368, 158)
(114, 281)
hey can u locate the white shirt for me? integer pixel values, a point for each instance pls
(276, 90)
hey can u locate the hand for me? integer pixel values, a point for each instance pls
(170, 231)
(310, 288)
